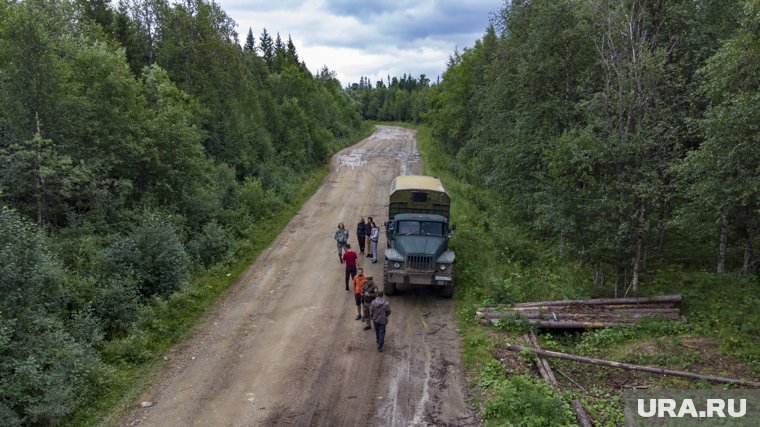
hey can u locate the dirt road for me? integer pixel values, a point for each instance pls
(283, 348)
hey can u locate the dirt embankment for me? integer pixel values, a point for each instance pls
(283, 348)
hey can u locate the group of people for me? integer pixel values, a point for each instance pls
(367, 234)
(371, 306)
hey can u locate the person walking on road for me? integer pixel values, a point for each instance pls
(369, 293)
(359, 281)
(368, 233)
(350, 258)
(373, 238)
(341, 237)
(379, 311)
(361, 234)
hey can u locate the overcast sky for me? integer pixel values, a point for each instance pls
(369, 38)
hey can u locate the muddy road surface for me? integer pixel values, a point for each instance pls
(282, 347)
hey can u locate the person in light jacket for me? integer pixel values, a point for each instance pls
(373, 238)
(379, 311)
(341, 237)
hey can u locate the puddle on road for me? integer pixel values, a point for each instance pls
(409, 158)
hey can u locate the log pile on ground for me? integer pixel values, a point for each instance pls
(585, 314)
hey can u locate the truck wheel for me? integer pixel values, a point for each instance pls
(389, 288)
(446, 291)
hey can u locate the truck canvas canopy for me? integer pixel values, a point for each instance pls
(418, 194)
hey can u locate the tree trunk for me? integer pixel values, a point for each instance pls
(39, 180)
(722, 247)
(661, 229)
(620, 281)
(748, 254)
(598, 275)
(639, 252)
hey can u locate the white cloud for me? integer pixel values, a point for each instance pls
(375, 39)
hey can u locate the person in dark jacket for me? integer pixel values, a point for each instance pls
(368, 233)
(361, 234)
(369, 293)
(379, 311)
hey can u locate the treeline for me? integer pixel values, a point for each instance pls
(397, 99)
(619, 130)
(140, 143)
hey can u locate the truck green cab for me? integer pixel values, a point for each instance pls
(418, 233)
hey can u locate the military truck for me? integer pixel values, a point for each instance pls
(418, 232)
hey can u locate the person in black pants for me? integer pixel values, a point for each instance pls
(349, 256)
(379, 310)
(367, 232)
(361, 234)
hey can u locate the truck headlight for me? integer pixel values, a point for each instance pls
(396, 265)
(442, 267)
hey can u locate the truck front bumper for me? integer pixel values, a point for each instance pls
(425, 278)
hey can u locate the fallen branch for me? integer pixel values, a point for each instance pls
(546, 372)
(632, 367)
(572, 381)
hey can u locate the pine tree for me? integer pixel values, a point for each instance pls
(266, 46)
(250, 42)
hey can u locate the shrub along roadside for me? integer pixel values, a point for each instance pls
(135, 360)
(497, 262)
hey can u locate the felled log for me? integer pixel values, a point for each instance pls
(604, 301)
(551, 324)
(632, 367)
(570, 315)
(546, 372)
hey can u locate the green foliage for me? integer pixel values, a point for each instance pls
(48, 361)
(523, 400)
(115, 303)
(403, 99)
(154, 252)
(108, 117)
(592, 342)
(572, 109)
(213, 244)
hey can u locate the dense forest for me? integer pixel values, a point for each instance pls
(142, 142)
(139, 143)
(610, 128)
(397, 99)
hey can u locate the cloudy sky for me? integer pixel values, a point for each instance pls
(369, 38)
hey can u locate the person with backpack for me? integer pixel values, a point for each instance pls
(369, 293)
(379, 311)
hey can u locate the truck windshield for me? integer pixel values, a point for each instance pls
(420, 227)
(432, 228)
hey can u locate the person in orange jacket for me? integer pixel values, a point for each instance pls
(359, 280)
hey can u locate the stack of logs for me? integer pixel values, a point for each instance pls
(585, 314)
